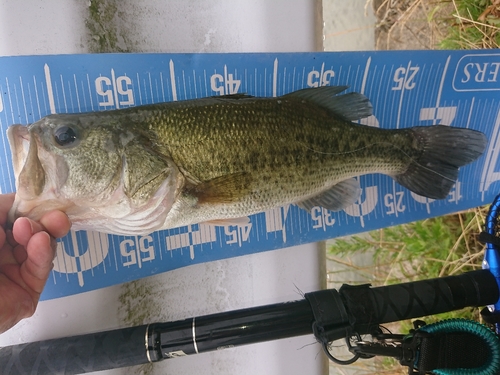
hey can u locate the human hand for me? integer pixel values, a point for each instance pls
(26, 255)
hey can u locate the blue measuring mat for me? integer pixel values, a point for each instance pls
(406, 88)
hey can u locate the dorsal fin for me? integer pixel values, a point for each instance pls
(352, 106)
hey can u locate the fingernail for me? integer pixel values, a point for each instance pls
(29, 222)
(31, 226)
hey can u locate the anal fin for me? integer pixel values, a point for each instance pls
(238, 221)
(336, 198)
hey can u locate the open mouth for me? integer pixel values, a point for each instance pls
(29, 172)
(38, 173)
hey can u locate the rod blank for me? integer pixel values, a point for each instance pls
(329, 314)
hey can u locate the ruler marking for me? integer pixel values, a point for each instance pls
(356, 77)
(275, 78)
(76, 93)
(151, 88)
(101, 247)
(184, 85)
(24, 98)
(57, 96)
(245, 81)
(85, 106)
(16, 114)
(205, 82)
(10, 101)
(45, 97)
(226, 84)
(255, 83)
(172, 81)
(322, 74)
(265, 82)
(380, 86)
(37, 98)
(441, 85)
(162, 87)
(30, 96)
(470, 111)
(192, 87)
(115, 249)
(115, 90)
(157, 90)
(138, 252)
(365, 75)
(284, 90)
(194, 81)
(435, 88)
(71, 99)
(5, 149)
(50, 92)
(139, 87)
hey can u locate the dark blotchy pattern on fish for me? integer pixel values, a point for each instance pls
(287, 146)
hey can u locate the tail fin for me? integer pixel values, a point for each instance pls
(444, 150)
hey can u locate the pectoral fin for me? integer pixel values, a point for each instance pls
(223, 189)
(336, 198)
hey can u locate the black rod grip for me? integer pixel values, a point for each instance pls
(78, 354)
(391, 303)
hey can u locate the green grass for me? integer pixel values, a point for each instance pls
(424, 249)
(474, 24)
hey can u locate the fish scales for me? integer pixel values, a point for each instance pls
(290, 143)
(221, 158)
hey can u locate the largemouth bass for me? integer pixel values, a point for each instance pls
(136, 170)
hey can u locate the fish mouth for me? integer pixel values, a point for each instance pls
(28, 170)
(34, 186)
(19, 141)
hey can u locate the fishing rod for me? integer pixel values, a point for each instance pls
(330, 315)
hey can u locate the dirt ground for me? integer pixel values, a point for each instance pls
(410, 24)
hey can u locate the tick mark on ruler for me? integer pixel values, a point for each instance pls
(50, 92)
(172, 80)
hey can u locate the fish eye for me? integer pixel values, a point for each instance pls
(65, 136)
